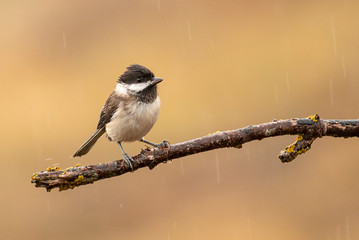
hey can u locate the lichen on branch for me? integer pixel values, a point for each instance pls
(307, 129)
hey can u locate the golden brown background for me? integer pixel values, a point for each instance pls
(226, 65)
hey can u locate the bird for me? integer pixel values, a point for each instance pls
(130, 111)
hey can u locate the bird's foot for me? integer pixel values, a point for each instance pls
(162, 145)
(129, 160)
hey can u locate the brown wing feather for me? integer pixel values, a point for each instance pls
(108, 110)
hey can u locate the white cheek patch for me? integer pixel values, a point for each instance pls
(121, 89)
(135, 87)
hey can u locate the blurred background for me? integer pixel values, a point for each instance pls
(226, 65)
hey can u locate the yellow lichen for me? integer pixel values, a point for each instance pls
(79, 180)
(72, 184)
(303, 150)
(300, 151)
(65, 171)
(52, 169)
(63, 187)
(34, 176)
(290, 148)
(299, 138)
(314, 118)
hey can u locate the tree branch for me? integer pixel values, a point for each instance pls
(307, 129)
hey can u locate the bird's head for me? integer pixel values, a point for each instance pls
(138, 78)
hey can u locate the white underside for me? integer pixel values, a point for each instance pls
(134, 123)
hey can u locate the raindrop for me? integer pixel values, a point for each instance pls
(159, 5)
(182, 167)
(64, 39)
(276, 94)
(347, 228)
(49, 159)
(331, 92)
(247, 154)
(343, 66)
(217, 166)
(287, 78)
(338, 234)
(334, 41)
(39, 151)
(249, 229)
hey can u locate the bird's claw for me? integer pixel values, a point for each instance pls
(164, 144)
(129, 160)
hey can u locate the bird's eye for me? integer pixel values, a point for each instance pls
(138, 80)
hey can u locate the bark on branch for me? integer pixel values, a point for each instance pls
(307, 129)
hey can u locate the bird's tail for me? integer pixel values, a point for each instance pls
(85, 148)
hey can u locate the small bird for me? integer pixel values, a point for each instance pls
(129, 112)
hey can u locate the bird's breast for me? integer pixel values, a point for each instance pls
(133, 120)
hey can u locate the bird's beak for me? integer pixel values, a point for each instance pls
(156, 80)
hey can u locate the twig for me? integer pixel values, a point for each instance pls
(307, 129)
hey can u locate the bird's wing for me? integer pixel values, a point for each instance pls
(108, 109)
(107, 112)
